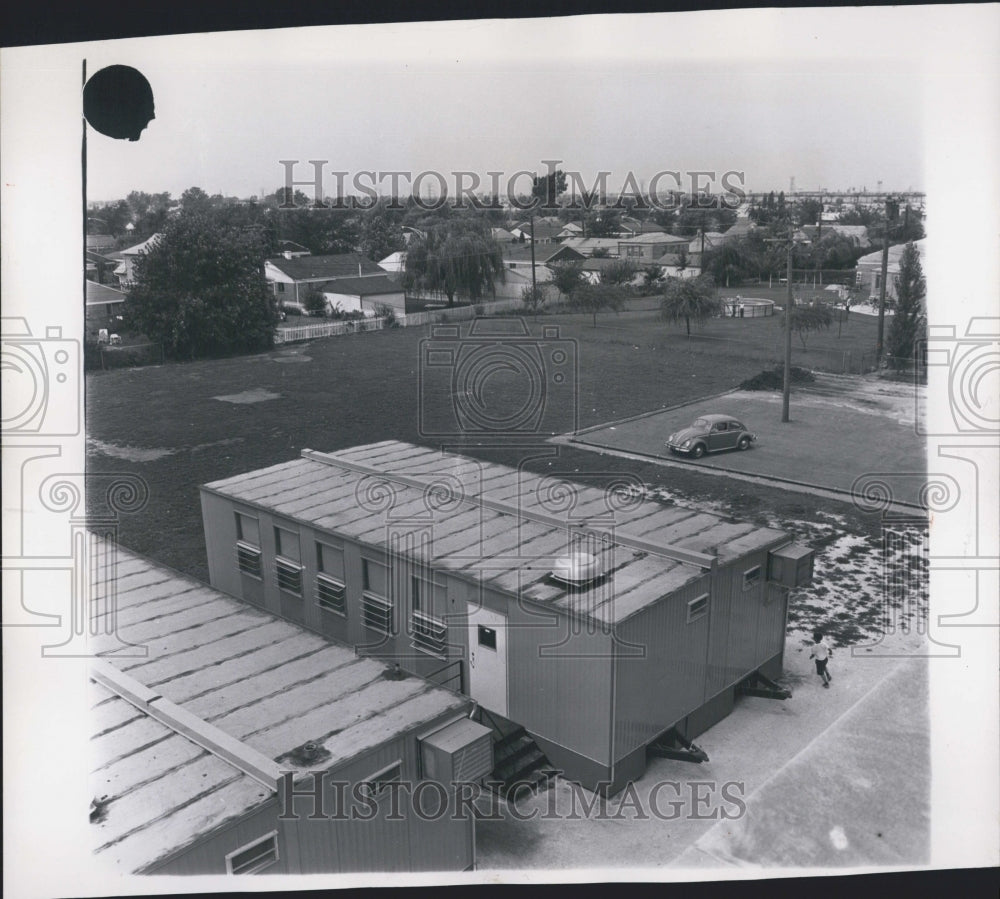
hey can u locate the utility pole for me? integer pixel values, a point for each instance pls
(881, 295)
(534, 286)
(819, 240)
(786, 386)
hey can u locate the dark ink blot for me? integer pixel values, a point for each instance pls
(118, 102)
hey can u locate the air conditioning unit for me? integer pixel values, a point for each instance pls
(791, 566)
(462, 752)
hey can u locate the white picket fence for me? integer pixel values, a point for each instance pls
(462, 313)
(328, 329)
(412, 319)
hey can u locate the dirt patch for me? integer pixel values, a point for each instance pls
(246, 397)
(127, 453)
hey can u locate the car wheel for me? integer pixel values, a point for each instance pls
(744, 443)
(698, 451)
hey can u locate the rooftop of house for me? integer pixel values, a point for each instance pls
(140, 248)
(368, 286)
(101, 294)
(543, 230)
(587, 245)
(501, 525)
(318, 268)
(290, 246)
(653, 237)
(253, 687)
(521, 252)
(895, 252)
(712, 239)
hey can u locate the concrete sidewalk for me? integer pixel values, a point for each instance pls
(858, 795)
(835, 776)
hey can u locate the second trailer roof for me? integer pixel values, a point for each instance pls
(503, 525)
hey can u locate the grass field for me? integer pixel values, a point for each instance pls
(165, 424)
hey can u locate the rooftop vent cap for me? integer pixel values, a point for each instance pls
(577, 568)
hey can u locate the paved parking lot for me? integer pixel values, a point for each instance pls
(840, 429)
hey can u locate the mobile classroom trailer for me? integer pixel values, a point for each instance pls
(447, 566)
(226, 740)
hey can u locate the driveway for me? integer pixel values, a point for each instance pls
(844, 434)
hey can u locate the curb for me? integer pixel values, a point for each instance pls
(847, 495)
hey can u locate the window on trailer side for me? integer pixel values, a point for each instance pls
(254, 856)
(287, 562)
(331, 588)
(248, 545)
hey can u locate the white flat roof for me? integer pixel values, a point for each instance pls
(268, 684)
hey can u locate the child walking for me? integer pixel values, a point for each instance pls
(821, 652)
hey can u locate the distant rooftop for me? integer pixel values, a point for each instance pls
(503, 528)
(336, 265)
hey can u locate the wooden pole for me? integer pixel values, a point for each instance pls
(786, 388)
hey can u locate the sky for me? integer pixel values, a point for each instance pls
(771, 94)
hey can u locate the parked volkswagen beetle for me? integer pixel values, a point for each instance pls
(710, 433)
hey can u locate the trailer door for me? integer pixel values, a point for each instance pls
(488, 658)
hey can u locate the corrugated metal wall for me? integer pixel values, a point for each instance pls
(654, 691)
(688, 664)
(560, 678)
(435, 842)
(747, 625)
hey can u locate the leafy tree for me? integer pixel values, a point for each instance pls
(321, 231)
(591, 298)
(620, 272)
(652, 277)
(727, 264)
(114, 217)
(200, 290)
(149, 212)
(807, 319)
(194, 199)
(809, 211)
(315, 302)
(547, 188)
(690, 299)
(287, 198)
(533, 298)
(461, 258)
(380, 236)
(602, 223)
(567, 277)
(697, 216)
(909, 324)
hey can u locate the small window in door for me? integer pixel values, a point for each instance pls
(488, 638)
